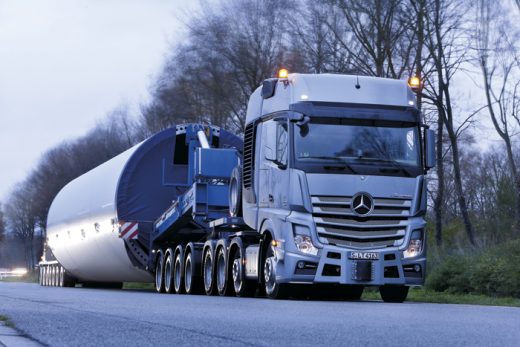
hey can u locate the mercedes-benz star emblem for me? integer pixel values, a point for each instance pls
(362, 204)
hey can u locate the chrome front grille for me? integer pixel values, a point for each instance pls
(337, 224)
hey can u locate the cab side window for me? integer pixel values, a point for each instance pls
(282, 142)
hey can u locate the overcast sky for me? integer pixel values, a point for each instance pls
(64, 64)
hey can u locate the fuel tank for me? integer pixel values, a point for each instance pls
(88, 221)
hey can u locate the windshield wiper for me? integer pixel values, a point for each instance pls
(392, 162)
(344, 164)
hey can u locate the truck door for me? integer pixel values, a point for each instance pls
(267, 151)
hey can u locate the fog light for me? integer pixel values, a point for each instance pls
(300, 264)
(417, 268)
(415, 245)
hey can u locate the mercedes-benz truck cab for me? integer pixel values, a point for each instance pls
(334, 179)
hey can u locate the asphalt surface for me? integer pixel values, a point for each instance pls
(98, 317)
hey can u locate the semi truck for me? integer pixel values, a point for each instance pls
(326, 191)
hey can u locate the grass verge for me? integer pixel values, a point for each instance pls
(6, 321)
(424, 295)
(31, 277)
(138, 285)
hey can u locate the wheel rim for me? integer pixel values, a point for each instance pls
(188, 274)
(207, 271)
(269, 275)
(236, 271)
(221, 270)
(158, 274)
(168, 274)
(177, 273)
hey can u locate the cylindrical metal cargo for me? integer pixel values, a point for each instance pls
(86, 219)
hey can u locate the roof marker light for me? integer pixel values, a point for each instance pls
(283, 73)
(414, 83)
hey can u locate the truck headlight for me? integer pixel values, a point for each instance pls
(303, 241)
(415, 246)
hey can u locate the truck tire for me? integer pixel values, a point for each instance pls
(159, 273)
(208, 272)
(273, 289)
(54, 275)
(222, 273)
(178, 271)
(242, 286)
(61, 276)
(391, 293)
(168, 272)
(192, 283)
(235, 192)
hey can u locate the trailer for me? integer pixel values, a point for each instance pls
(327, 190)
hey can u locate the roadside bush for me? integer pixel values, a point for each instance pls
(450, 275)
(494, 272)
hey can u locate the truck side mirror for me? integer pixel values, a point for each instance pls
(429, 137)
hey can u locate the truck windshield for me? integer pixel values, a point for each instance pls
(358, 142)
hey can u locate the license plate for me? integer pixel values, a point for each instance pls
(363, 255)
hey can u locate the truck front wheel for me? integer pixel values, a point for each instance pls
(273, 289)
(391, 293)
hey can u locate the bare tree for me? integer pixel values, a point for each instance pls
(375, 36)
(22, 221)
(444, 42)
(2, 224)
(315, 30)
(231, 49)
(497, 57)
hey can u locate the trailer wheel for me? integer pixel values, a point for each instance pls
(191, 281)
(54, 275)
(61, 276)
(208, 271)
(391, 293)
(159, 273)
(273, 289)
(168, 272)
(242, 286)
(178, 276)
(223, 280)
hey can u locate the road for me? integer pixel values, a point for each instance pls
(96, 317)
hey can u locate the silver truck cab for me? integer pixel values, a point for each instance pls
(334, 179)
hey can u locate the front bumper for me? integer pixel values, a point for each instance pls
(334, 266)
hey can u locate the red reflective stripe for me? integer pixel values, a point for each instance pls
(134, 234)
(126, 228)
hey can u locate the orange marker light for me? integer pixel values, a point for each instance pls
(283, 73)
(414, 82)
